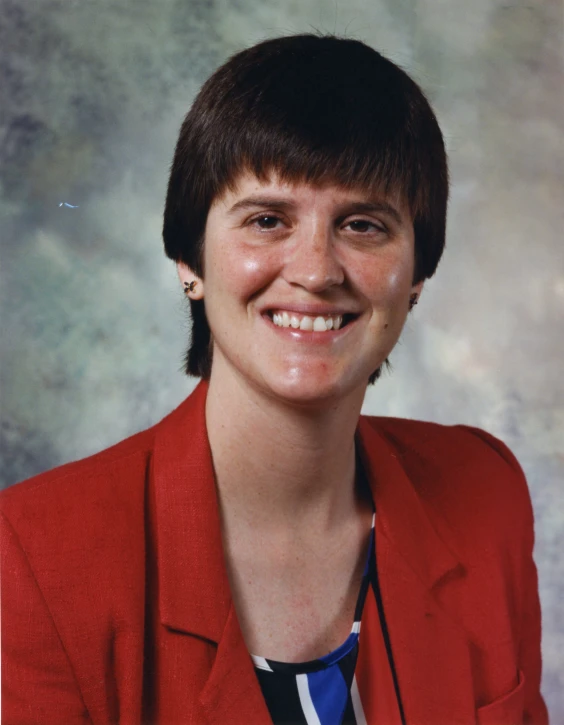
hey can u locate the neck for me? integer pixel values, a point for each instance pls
(282, 468)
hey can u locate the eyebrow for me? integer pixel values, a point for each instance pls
(353, 207)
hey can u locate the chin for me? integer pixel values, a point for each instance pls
(301, 388)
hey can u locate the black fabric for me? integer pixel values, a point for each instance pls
(281, 696)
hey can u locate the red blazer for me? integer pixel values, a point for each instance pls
(116, 605)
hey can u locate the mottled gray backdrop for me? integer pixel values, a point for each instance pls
(94, 324)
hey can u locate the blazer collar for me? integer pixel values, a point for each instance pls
(399, 510)
(194, 593)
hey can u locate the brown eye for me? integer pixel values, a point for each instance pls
(363, 226)
(266, 221)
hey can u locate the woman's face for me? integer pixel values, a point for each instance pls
(305, 252)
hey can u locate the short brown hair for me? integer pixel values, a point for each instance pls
(314, 108)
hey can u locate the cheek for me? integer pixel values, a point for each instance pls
(241, 271)
(386, 282)
(392, 283)
(251, 269)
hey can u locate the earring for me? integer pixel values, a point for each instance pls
(413, 301)
(189, 286)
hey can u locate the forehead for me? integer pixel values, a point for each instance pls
(301, 191)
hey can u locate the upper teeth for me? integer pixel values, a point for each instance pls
(303, 322)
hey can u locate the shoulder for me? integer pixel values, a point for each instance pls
(463, 475)
(432, 447)
(83, 518)
(73, 560)
(74, 538)
(88, 499)
(82, 484)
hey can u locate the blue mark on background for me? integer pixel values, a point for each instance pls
(70, 206)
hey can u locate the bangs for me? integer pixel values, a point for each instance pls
(293, 161)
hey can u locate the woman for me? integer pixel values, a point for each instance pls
(265, 553)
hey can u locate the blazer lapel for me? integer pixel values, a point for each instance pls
(194, 592)
(430, 650)
(232, 693)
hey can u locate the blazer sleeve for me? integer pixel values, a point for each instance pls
(38, 682)
(530, 660)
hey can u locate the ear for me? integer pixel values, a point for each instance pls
(414, 295)
(186, 276)
(417, 289)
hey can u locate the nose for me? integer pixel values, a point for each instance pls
(312, 262)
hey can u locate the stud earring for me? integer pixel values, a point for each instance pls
(413, 301)
(189, 286)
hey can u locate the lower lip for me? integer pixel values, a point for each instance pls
(310, 336)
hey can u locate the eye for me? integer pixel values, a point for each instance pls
(266, 221)
(364, 226)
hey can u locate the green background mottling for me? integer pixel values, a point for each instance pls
(94, 324)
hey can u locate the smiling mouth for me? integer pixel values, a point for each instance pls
(309, 323)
